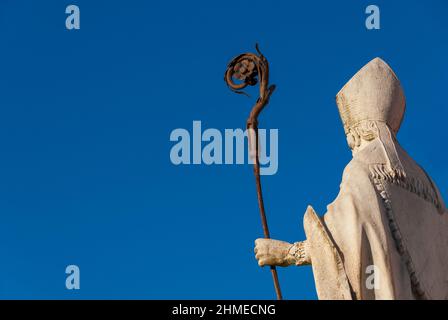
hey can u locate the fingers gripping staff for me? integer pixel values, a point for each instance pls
(250, 69)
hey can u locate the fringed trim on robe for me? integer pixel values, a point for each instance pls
(411, 184)
(380, 175)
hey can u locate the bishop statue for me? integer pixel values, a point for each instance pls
(389, 216)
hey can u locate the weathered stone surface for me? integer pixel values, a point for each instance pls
(385, 236)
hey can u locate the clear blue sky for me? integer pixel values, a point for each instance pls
(85, 172)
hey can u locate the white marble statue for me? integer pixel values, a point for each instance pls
(388, 218)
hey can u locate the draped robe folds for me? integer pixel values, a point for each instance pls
(399, 225)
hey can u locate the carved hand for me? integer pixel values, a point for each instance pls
(280, 253)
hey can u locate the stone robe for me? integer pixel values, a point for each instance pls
(397, 224)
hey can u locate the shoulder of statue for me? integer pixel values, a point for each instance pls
(356, 168)
(356, 175)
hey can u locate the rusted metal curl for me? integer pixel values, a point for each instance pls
(250, 69)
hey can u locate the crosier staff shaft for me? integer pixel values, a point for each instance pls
(251, 68)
